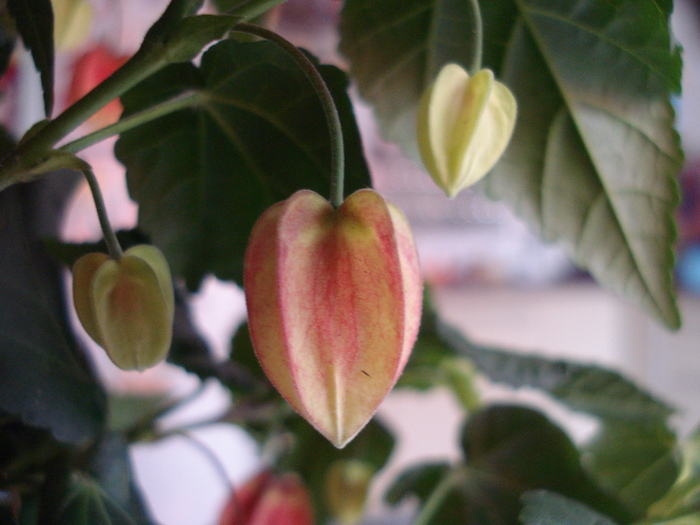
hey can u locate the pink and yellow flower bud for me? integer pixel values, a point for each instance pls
(126, 306)
(334, 304)
(464, 126)
(270, 499)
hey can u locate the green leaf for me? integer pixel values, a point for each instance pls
(34, 19)
(681, 504)
(86, 503)
(163, 28)
(542, 507)
(635, 460)
(44, 376)
(508, 450)
(111, 468)
(259, 135)
(633, 454)
(594, 156)
(587, 388)
(192, 33)
(433, 362)
(525, 450)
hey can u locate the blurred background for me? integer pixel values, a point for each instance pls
(491, 277)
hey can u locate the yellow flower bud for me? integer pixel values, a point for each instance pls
(126, 306)
(464, 126)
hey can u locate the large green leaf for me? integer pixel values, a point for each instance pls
(203, 175)
(594, 156)
(508, 450)
(44, 378)
(681, 504)
(634, 452)
(635, 460)
(34, 20)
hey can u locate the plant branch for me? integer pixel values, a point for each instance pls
(139, 67)
(329, 108)
(177, 103)
(437, 497)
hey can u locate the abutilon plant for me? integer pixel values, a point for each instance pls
(126, 305)
(464, 126)
(334, 304)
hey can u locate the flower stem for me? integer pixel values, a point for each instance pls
(329, 108)
(211, 457)
(437, 497)
(159, 110)
(478, 38)
(113, 247)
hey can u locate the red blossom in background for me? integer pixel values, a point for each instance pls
(89, 70)
(270, 499)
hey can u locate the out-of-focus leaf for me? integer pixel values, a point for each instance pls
(111, 468)
(8, 35)
(434, 362)
(128, 410)
(508, 450)
(587, 388)
(593, 160)
(86, 503)
(542, 507)
(34, 19)
(635, 460)
(258, 135)
(681, 504)
(44, 377)
(634, 453)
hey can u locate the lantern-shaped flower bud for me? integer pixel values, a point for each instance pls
(270, 499)
(464, 126)
(334, 303)
(127, 305)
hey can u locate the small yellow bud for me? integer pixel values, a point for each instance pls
(464, 126)
(126, 306)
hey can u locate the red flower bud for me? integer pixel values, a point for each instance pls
(270, 499)
(334, 303)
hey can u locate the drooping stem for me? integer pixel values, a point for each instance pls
(115, 250)
(437, 498)
(211, 457)
(478, 38)
(329, 108)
